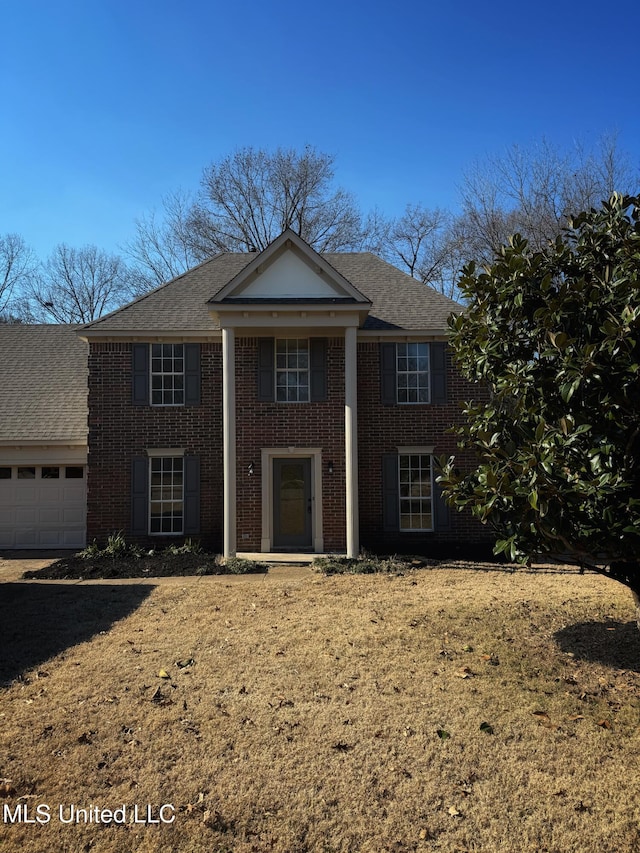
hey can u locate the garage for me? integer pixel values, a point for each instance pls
(43, 437)
(42, 506)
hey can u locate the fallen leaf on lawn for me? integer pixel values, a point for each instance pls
(575, 717)
(442, 734)
(182, 664)
(487, 728)
(163, 674)
(423, 834)
(604, 724)
(467, 648)
(341, 746)
(465, 672)
(542, 714)
(453, 811)
(6, 788)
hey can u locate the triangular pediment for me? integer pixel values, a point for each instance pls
(289, 270)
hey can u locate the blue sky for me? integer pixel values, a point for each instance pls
(109, 104)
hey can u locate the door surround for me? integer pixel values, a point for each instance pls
(268, 454)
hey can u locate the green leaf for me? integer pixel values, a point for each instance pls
(487, 728)
(443, 734)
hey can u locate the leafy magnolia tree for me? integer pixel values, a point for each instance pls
(555, 335)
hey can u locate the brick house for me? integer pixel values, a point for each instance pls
(280, 401)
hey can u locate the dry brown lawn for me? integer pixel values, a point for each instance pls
(448, 710)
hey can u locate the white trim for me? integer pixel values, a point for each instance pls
(229, 441)
(268, 454)
(351, 440)
(43, 455)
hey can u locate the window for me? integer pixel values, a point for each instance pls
(74, 472)
(412, 370)
(167, 374)
(166, 496)
(415, 492)
(292, 370)
(50, 472)
(26, 473)
(5, 473)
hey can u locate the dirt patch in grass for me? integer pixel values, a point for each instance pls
(448, 710)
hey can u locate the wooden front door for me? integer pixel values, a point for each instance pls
(292, 510)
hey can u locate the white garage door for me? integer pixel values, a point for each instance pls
(43, 506)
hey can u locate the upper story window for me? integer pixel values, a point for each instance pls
(413, 372)
(167, 374)
(292, 370)
(412, 368)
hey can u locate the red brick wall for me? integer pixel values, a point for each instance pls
(381, 429)
(119, 431)
(289, 425)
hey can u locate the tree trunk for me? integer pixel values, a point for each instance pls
(636, 598)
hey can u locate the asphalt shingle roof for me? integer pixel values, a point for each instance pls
(43, 384)
(398, 301)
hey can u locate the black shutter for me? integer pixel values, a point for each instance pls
(438, 373)
(192, 374)
(390, 493)
(266, 370)
(140, 374)
(441, 514)
(318, 370)
(388, 376)
(139, 495)
(191, 494)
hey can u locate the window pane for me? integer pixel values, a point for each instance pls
(74, 472)
(5, 473)
(50, 472)
(292, 370)
(26, 473)
(166, 495)
(414, 473)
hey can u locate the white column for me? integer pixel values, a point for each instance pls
(351, 438)
(229, 440)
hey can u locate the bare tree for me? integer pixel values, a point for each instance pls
(163, 247)
(17, 266)
(251, 196)
(78, 285)
(533, 191)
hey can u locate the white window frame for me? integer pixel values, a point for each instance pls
(407, 499)
(287, 370)
(167, 377)
(156, 459)
(420, 378)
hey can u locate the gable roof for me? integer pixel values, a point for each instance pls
(397, 301)
(43, 377)
(325, 281)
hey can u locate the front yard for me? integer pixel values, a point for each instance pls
(450, 710)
